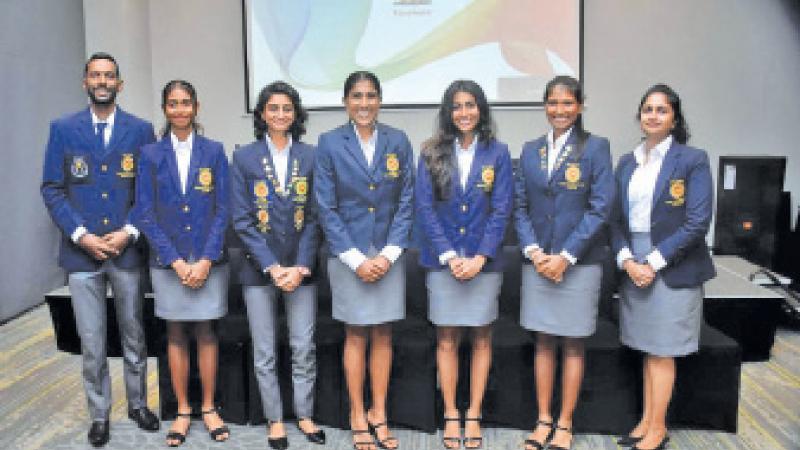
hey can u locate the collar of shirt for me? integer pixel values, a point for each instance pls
(108, 120)
(373, 138)
(181, 145)
(659, 151)
(465, 156)
(280, 159)
(274, 149)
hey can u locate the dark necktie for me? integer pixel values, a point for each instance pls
(99, 137)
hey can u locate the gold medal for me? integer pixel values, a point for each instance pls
(261, 190)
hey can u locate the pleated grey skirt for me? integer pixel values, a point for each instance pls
(177, 302)
(659, 320)
(568, 308)
(470, 303)
(355, 302)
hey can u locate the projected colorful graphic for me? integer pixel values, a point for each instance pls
(416, 47)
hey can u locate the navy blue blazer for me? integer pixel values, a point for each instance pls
(570, 210)
(679, 221)
(469, 221)
(359, 205)
(83, 186)
(178, 226)
(275, 229)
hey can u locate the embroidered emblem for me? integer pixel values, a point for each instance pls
(206, 180)
(543, 158)
(79, 168)
(261, 191)
(487, 178)
(392, 165)
(572, 176)
(127, 165)
(263, 220)
(299, 218)
(677, 189)
(301, 186)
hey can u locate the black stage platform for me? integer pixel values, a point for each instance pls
(706, 393)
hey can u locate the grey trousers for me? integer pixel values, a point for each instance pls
(88, 291)
(301, 312)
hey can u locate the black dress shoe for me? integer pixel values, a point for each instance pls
(661, 445)
(144, 418)
(99, 433)
(317, 437)
(627, 441)
(281, 443)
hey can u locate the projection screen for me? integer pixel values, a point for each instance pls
(416, 47)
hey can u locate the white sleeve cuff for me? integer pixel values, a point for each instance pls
(530, 248)
(352, 258)
(572, 260)
(445, 257)
(78, 233)
(656, 260)
(132, 231)
(623, 255)
(391, 252)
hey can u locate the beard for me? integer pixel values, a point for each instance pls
(112, 96)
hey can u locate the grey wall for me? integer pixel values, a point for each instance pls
(41, 49)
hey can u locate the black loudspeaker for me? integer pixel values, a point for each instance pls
(749, 192)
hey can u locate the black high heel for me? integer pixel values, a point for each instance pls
(467, 440)
(178, 436)
(571, 438)
(373, 429)
(536, 444)
(315, 437)
(451, 440)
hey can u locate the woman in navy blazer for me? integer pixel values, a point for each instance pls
(564, 193)
(463, 196)
(181, 207)
(363, 184)
(660, 222)
(275, 217)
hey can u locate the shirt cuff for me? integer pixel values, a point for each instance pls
(529, 248)
(572, 260)
(623, 255)
(78, 234)
(445, 257)
(656, 260)
(391, 252)
(352, 258)
(132, 231)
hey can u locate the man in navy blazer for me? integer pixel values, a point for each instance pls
(88, 186)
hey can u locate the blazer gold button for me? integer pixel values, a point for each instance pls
(462, 230)
(464, 207)
(371, 209)
(105, 221)
(188, 228)
(185, 208)
(104, 195)
(104, 168)
(371, 187)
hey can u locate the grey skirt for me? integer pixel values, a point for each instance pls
(659, 320)
(568, 308)
(471, 303)
(355, 302)
(177, 302)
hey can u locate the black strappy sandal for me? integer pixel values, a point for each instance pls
(216, 432)
(366, 445)
(382, 442)
(451, 440)
(571, 438)
(468, 440)
(173, 435)
(536, 444)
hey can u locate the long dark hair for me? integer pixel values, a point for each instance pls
(438, 150)
(574, 87)
(298, 127)
(186, 86)
(680, 132)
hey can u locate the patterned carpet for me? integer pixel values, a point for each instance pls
(42, 405)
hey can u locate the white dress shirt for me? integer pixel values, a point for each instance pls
(109, 121)
(183, 156)
(554, 147)
(280, 160)
(353, 257)
(640, 197)
(464, 158)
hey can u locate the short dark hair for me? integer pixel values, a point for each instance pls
(100, 55)
(298, 127)
(360, 75)
(680, 132)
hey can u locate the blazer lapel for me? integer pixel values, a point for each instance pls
(194, 162)
(476, 166)
(87, 130)
(381, 146)
(121, 128)
(172, 162)
(627, 173)
(352, 145)
(667, 167)
(566, 151)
